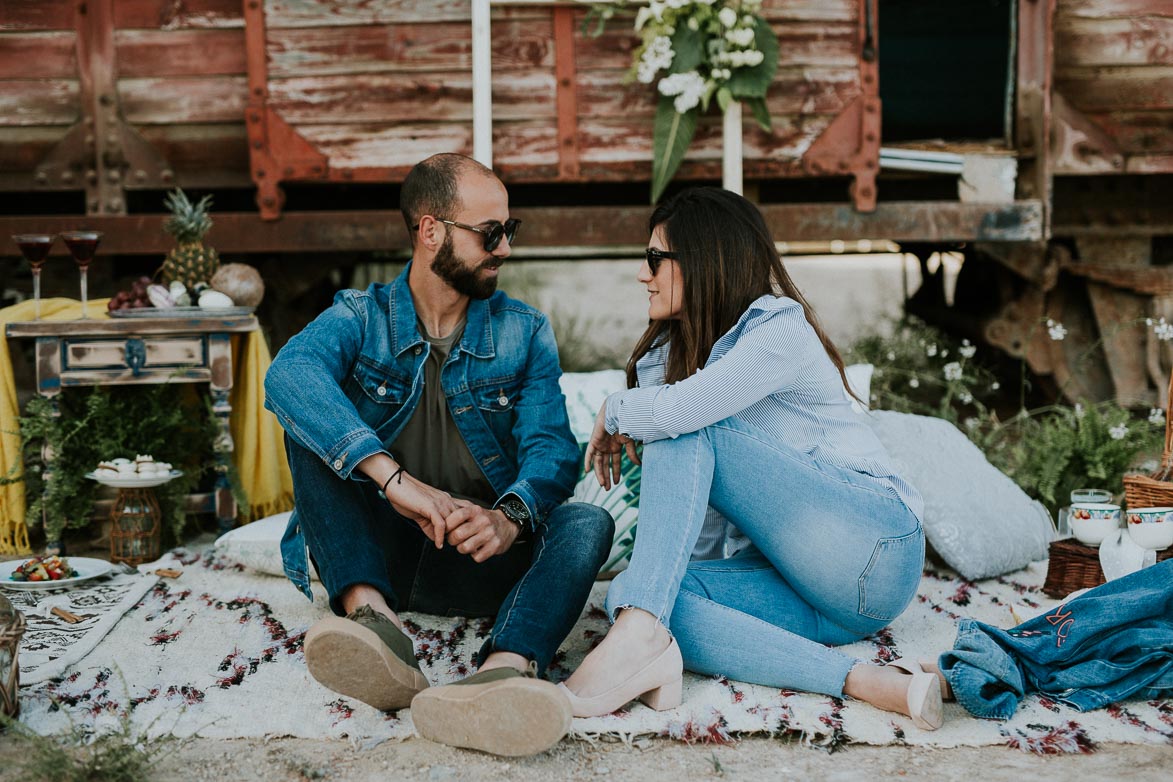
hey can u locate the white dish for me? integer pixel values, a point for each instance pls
(86, 568)
(135, 480)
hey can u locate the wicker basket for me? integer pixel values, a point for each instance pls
(1154, 490)
(1074, 565)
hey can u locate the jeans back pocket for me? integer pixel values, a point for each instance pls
(891, 577)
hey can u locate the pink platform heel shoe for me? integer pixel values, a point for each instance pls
(658, 684)
(924, 695)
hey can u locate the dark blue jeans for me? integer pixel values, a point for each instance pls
(536, 590)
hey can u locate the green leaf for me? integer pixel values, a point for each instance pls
(753, 82)
(689, 46)
(670, 139)
(724, 98)
(760, 111)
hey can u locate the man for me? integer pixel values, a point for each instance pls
(431, 454)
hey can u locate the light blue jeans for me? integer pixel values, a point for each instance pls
(835, 558)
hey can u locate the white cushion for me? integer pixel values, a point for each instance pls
(257, 546)
(976, 518)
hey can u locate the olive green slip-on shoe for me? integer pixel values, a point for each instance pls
(366, 657)
(502, 711)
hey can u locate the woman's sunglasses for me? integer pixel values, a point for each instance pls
(654, 257)
(492, 232)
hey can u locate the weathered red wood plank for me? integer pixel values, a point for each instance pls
(39, 102)
(824, 44)
(178, 14)
(405, 47)
(23, 148)
(37, 15)
(1103, 89)
(203, 155)
(1104, 9)
(162, 53)
(1143, 132)
(1140, 40)
(408, 97)
(196, 101)
(38, 55)
(793, 91)
(328, 13)
(810, 10)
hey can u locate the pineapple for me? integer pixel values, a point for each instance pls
(190, 262)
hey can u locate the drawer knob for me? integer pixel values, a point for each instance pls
(136, 356)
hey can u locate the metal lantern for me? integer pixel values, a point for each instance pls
(11, 630)
(134, 527)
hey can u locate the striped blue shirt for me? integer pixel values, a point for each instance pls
(770, 371)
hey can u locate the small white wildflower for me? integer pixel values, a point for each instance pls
(1156, 416)
(965, 397)
(1057, 330)
(931, 350)
(687, 87)
(1148, 321)
(1078, 410)
(891, 355)
(995, 385)
(966, 350)
(953, 371)
(754, 57)
(727, 16)
(1118, 432)
(1163, 331)
(944, 353)
(642, 16)
(678, 3)
(739, 37)
(972, 423)
(914, 383)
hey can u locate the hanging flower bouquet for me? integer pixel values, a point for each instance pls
(698, 50)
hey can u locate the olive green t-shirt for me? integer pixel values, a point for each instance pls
(430, 447)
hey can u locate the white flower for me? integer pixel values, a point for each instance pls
(687, 87)
(1162, 330)
(740, 37)
(966, 350)
(1078, 410)
(693, 24)
(727, 16)
(1156, 416)
(914, 383)
(642, 16)
(965, 397)
(891, 355)
(1057, 330)
(754, 57)
(953, 371)
(1118, 432)
(931, 351)
(972, 423)
(678, 3)
(995, 385)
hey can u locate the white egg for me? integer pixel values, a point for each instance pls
(215, 300)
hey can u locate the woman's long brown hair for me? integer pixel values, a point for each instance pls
(727, 259)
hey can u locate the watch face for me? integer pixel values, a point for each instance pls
(515, 510)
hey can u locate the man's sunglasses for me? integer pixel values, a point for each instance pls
(655, 256)
(492, 233)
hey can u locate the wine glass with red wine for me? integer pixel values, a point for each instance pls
(35, 249)
(82, 246)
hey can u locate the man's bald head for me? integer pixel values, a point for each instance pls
(432, 187)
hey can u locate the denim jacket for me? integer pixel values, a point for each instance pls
(346, 385)
(1110, 643)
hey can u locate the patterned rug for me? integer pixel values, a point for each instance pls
(218, 653)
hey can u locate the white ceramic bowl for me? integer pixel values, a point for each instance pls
(1151, 528)
(1091, 522)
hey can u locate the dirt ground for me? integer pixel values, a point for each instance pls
(749, 759)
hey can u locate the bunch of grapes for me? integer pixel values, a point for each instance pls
(135, 298)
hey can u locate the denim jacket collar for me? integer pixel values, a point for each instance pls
(478, 330)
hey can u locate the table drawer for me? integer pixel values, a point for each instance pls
(112, 353)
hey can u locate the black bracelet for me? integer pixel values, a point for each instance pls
(394, 475)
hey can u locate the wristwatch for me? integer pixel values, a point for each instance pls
(515, 510)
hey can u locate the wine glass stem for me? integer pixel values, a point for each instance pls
(36, 294)
(84, 314)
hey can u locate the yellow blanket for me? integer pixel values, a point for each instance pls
(260, 453)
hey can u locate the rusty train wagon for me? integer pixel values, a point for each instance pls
(1034, 135)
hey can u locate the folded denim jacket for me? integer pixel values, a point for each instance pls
(1110, 643)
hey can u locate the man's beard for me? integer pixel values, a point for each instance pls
(464, 280)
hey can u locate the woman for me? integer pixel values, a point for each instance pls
(739, 399)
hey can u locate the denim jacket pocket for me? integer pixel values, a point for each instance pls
(496, 403)
(889, 581)
(377, 393)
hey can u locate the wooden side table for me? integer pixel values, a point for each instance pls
(140, 351)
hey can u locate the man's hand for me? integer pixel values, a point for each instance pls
(423, 504)
(604, 453)
(480, 532)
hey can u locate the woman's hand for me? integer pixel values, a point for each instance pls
(604, 453)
